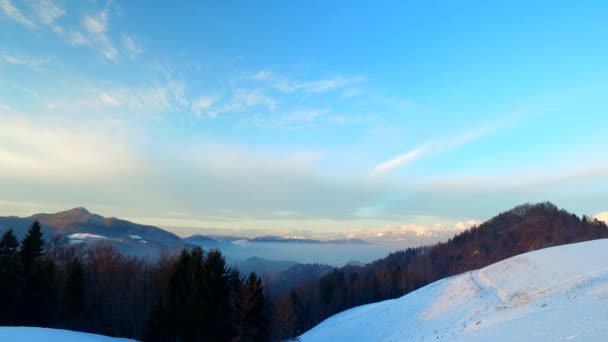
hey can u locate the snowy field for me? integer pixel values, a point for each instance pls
(29, 334)
(555, 294)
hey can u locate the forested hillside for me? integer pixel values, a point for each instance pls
(193, 296)
(522, 229)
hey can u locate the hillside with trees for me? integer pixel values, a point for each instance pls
(519, 230)
(193, 296)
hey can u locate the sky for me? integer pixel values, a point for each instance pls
(310, 118)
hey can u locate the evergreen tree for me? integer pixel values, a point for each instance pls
(35, 296)
(254, 321)
(216, 297)
(197, 304)
(32, 245)
(179, 315)
(235, 283)
(8, 243)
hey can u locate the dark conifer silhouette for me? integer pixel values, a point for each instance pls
(8, 243)
(254, 320)
(32, 246)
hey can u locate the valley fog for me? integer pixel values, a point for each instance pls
(305, 253)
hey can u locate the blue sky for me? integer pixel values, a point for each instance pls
(312, 117)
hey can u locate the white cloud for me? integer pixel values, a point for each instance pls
(295, 119)
(132, 49)
(443, 145)
(145, 100)
(203, 103)
(398, 161)
(413, 234)
(96, 27)
(29, 62)
(165, 97)
(48, 12)
(110, 100)
(96, 24)
(321, 86)
(14, 13)
(109, 52)
(283, 84)
(59, 153)
(77, 38)
(603, 216)
(307, 116)
(243, 99)
(462, 225)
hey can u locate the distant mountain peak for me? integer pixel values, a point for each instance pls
(78, 211)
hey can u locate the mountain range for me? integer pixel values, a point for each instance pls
(79, 225)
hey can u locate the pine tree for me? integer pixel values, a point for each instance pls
(35, 297)
(216, 296)
(179, 315)
(197, 304)
(254, 321)
(8, 243)
(32, 245)
(235, 282)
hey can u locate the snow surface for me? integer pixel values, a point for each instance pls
(554, 294)
(84, 236)
(30, 334)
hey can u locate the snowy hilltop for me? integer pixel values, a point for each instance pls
(31, 334)
(558, 293)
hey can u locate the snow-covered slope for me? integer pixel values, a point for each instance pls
(29, 334)
(554, 294)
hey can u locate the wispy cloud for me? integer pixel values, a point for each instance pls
(59, 153)
(26, 61)
(48, 11)
(146, 100)
(131, 48)
(96, 26)
(45, 13)
(201, 104)
(399, 161)
(296, 119)
(77, 38)
(96, 23)
(240, 100)
(284, 84)
(14, 13)
(307, 116)
(442, 145)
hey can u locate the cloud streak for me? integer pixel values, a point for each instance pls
(284, 84)
(440, 146)
(399, 161)
(14, 13)
(35, 64)
(48, 12)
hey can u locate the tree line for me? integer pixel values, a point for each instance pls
(193, 296)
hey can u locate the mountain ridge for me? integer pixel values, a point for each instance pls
(80, 225)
